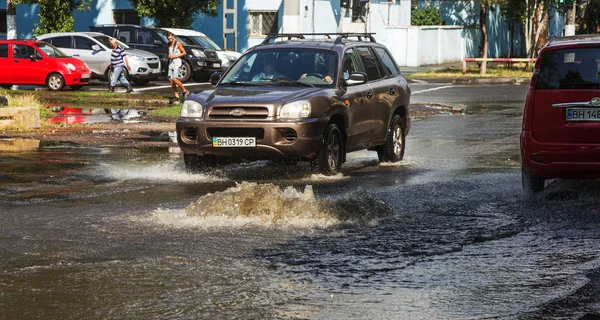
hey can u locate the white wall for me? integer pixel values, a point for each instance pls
(416, 46)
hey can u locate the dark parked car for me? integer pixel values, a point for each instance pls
(197, 64)
(560, 137)
(325, 98)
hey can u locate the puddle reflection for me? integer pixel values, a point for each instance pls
(70, 115)
(18, 145)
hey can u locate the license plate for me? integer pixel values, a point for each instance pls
(583, 114)
(86, 76)
(216, 65)
(228, 142)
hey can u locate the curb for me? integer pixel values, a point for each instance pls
(514, 81)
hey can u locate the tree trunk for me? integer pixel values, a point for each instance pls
(484, 37)
(11, 20)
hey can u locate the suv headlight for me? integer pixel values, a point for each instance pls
(295, 110)
(138, 58)
(198, 53)
(191, 109)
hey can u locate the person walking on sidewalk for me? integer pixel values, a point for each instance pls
(176, 51)
(118, 61)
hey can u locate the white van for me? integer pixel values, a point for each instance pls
(193, 37)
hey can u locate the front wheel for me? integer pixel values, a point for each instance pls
(393, 149)
(185, 71)
(329, 159)
(55, 82)
(532, 184)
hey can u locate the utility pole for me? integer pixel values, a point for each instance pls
(570, 17)
(291, 16)
(229, 12)
(11, 20)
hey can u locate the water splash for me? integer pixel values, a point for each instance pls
(166, 171)
(254, 204)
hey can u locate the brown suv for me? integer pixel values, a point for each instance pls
(300, 99)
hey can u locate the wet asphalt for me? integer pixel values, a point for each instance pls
(444, 234)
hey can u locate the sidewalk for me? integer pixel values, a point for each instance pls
(461, 79)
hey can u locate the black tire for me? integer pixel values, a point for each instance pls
(141, 82)
(532, 184)
(185, 73)
(110, 73)
(201, 77)
(55, 82)
(329, 159)
(393, 149)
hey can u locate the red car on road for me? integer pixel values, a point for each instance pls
(560, 136)
(33, 62)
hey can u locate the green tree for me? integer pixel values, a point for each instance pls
(56, 15)
(428, 16)
(175, 13)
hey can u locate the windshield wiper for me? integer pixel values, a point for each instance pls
(241, 83)
(290, 82)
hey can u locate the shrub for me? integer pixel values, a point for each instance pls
(428, 16)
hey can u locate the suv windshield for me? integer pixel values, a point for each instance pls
(569, 69)
(51, 51)
(206, 43)
(105, 40)
(313, 67)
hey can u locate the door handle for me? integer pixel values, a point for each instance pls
(75, 55)
(392, 91)
(369, 94)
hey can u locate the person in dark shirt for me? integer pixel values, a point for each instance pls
(118, 61)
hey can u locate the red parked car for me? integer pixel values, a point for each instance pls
(33, 62)
(560, 137)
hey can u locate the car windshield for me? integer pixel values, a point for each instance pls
(569, 69)
(301, 67)
(206, 42)
(105, 40)
(50, 50)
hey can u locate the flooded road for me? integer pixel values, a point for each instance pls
(127, 234)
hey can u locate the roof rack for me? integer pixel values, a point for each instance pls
(339, 36)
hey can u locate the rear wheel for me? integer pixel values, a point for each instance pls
(185, 72)
(329, 159)
(55, 82)
(532, 184)
(393, 149)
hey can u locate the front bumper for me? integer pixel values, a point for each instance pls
(77, 78)
(144, 69)
(204, 65)
(274, 139)
(559, 160)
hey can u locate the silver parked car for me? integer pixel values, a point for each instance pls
(94, 49)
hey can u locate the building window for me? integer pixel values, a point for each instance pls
(263, 22)
(2, 21)
(413, 4)
(126, 16)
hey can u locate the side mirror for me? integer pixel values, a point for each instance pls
(215, 77)
(96, 48)
(356, 78)
(158, 42)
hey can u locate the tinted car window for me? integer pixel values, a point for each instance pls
(349, 63)
(569, 69)
(83, 43)
(21, 51)
(3, 50)
(185, 40)
(61, 42)
(388, 63)
(369, 62)
(146, 37)
(126, 35)
(289, 64)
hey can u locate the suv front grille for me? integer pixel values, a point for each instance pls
(258, 133)
(238, 113)
(153, 65)
(211, 54)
